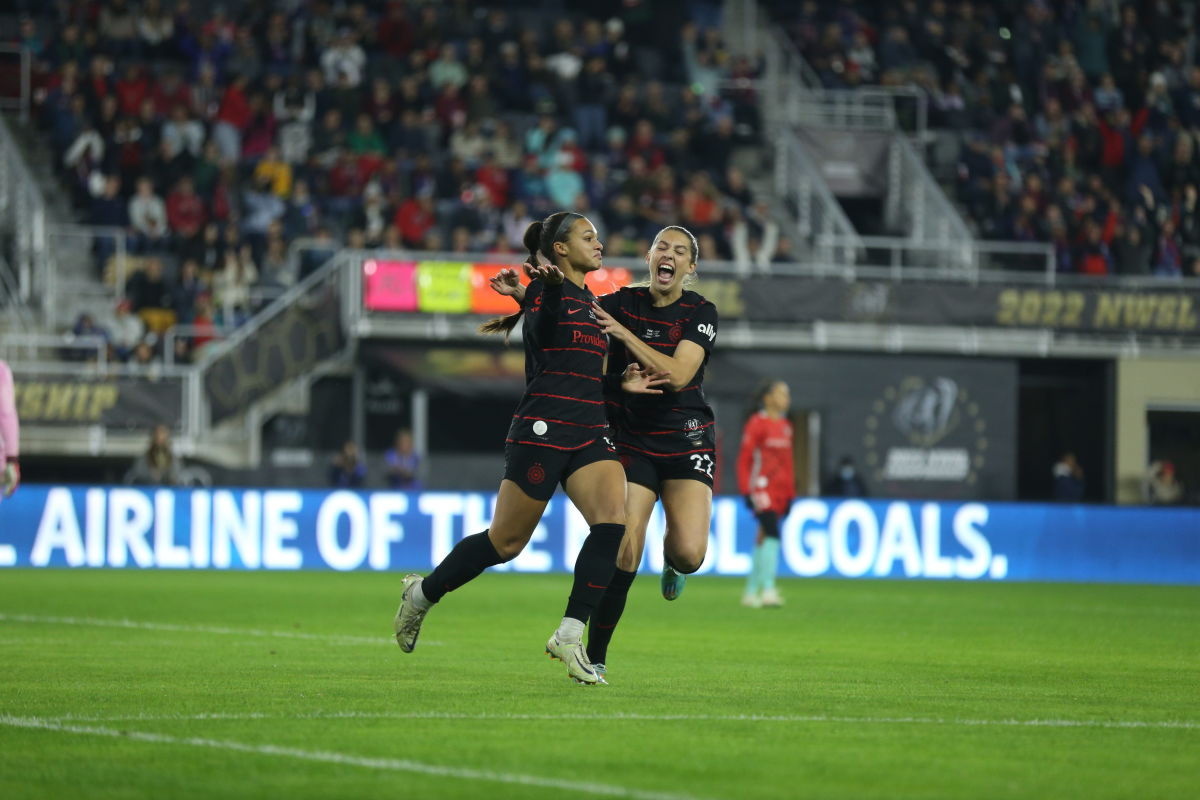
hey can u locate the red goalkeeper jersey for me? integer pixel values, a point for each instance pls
(764, 465)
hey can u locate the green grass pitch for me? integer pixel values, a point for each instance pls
(205, 684)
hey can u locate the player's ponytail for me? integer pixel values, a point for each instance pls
(540, 236)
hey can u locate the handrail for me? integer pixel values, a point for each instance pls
(23, 212)
(30, 342)
(799, 180)
(22, 102)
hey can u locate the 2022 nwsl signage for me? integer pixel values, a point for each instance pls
(280, 529)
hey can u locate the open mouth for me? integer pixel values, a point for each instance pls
(665, 273)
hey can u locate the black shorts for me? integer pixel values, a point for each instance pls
(650, 470)
(539, 470)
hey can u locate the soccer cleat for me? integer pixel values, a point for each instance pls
(771, 598)
(751, 601)
(407, 622)
(671, 582)
(575, 657)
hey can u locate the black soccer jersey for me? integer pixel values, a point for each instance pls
(563, 404)
(671, 423)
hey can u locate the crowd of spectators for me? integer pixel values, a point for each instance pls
(1078, 120)
(217, 135)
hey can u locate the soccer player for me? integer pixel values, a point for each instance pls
(10, 434)
(556, 436)
(665, 441)
(766, 479)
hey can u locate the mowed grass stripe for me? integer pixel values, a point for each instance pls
(345, 759)
(783, 718)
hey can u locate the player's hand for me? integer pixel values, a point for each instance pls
(550, 274)
(508, 283)
(12, 478)
(608, 323)
(636, 380)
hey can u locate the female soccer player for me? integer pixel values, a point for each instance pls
(766, 479)
(10, 434)
(556, 436)
(666, 441)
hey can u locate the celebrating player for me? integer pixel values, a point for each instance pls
(556, 436)
(666, 442)
(766, 479)
(10, 434)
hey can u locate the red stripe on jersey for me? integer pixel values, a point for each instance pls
(652, 453)
(572, 374)
(569, 322)
(689, 305)
(647, 319)
(579, 349)
(577, 300)
(544, 444)
(564, 397)
(564, 422)
(662, 344)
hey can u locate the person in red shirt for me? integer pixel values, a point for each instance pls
(766, 478)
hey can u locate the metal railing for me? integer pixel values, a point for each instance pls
(16, 97)
(916, 205)
(24, 347)
(820, 221)
(23, 216)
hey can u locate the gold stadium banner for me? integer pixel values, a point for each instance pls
(285, 347)
(111, 402)
(1148, 311)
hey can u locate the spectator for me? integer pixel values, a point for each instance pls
(187, 291)
(148, 217)
(846, 482)
(157, 466)
(185, 210)
(403, 463)
(1168, 258)
(347, 471)
(1069, 482)
(345, 60)
(148, 287)
(126, 330)
(1162, 486)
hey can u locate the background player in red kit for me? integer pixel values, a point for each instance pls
(766, 478)
(556, 436)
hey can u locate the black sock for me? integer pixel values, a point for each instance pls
(469, 557)
(608, 614)
(594, 569)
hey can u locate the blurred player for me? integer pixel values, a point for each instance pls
(556, 436)
(10, 434)
(766, 479)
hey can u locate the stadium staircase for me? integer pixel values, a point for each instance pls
(848, 151)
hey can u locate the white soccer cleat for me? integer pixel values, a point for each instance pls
(751, 601)
(772, 599)
(575, 657)
(407, 622)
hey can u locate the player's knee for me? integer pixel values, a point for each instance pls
(688, 558)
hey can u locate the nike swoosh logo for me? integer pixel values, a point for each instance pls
(584, 666)
(574, 311)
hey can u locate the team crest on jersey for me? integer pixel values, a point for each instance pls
(536, 474)
(675, 334)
